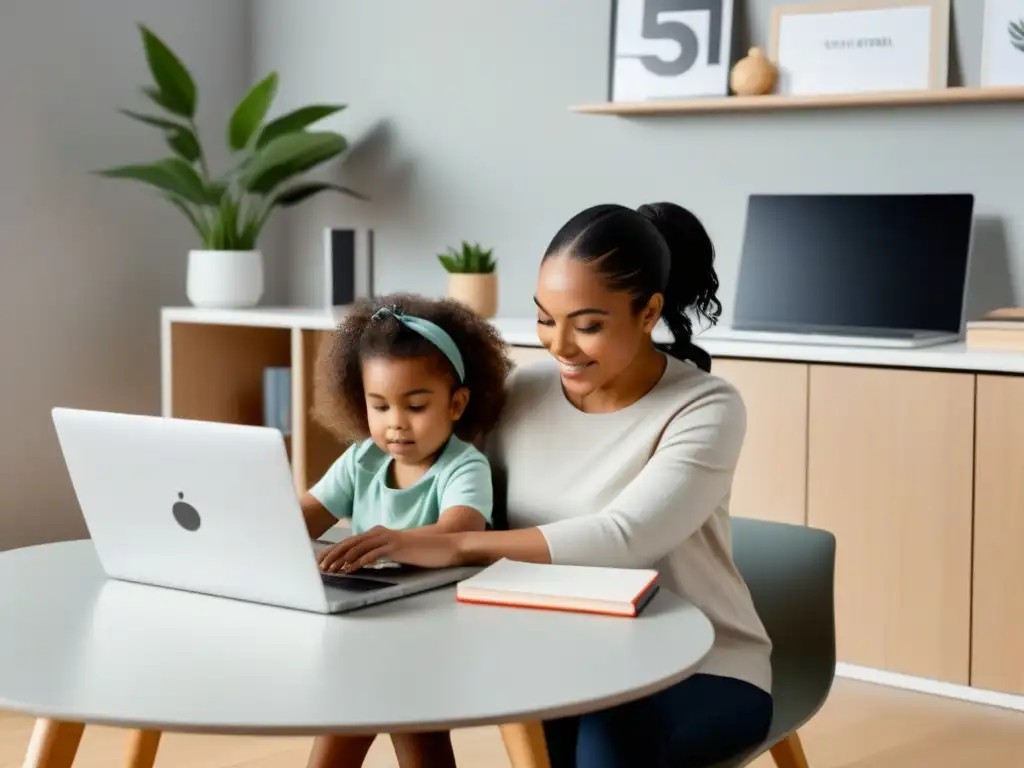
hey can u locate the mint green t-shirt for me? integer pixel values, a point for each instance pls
(356, 487)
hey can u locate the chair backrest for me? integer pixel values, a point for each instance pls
(790, 570)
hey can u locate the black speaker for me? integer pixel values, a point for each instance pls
(348, 265)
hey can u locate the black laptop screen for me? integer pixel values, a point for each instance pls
(835, 262)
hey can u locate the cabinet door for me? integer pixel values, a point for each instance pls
(997, 657)
(890, 474)
(771, 478)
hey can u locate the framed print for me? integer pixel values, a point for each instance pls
(670, 49)
(1002, 55)
(860, 46)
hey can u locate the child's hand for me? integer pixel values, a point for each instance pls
(420, 548)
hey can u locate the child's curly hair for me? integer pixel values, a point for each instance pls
(340, 402)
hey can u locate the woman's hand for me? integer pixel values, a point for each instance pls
(421, 548)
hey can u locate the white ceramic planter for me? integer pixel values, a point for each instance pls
(224, 279)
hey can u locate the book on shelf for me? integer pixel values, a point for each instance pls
(1001, 329)
(277, 399)
(584, 589)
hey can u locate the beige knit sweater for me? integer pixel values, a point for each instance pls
(644, 486)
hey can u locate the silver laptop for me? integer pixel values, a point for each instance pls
(874, 270)
(211, 508)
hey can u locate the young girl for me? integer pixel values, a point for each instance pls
(414, 382)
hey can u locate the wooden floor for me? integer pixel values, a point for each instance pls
(862, 726)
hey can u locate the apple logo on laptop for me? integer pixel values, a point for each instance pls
(185, 514)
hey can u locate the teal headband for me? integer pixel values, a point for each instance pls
(433, 333)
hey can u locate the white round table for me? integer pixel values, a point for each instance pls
(77, 648)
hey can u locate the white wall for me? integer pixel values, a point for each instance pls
(87, 262)
(479, 142)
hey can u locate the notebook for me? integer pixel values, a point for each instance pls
(1002, 329)
(585, 589)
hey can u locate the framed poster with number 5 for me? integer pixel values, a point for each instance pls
(670, 49)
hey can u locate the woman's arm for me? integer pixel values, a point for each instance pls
(680, 487)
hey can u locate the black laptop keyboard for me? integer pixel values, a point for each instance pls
(354, 583)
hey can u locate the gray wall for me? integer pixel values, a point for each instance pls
(87, 263)
(463, 104)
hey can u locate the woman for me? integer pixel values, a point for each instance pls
(619, 453)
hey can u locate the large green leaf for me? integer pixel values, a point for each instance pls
(250, 112)
(296, 121)
(299, 192)
(177, 90)
(158, 122)
(157, 97)
(170, 175)
(184, 144)
(288, 156)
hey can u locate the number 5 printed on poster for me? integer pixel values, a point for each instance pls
(670, 49)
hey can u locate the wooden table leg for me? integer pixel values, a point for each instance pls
(142, 749)
(53, 744)
(525, 745)
(789, 753)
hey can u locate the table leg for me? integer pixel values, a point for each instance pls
(789, 753)
(53, 744)
(142, 749)
(525, 745)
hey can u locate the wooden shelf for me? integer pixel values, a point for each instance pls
(829, 101)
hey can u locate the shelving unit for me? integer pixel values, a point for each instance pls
(775, 102)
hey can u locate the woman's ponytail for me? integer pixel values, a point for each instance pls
(692, 284)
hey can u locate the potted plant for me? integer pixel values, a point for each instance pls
(471, 277)
(229, 210)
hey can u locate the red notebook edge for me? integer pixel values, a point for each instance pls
(641, 601)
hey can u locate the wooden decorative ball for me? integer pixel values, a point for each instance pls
(753, 75)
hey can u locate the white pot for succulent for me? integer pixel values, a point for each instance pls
(224, 279)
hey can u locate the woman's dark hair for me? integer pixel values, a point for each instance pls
(339, 399)
(658, 248)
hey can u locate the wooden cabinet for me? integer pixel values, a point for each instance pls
(890, 473)
(771, 478)
(997, 658)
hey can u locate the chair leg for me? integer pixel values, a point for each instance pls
(525, 745)
(142, 749)
(789, 753)
(54, 744)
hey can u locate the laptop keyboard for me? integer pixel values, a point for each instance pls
(354, 583)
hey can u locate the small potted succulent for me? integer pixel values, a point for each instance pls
(228, 210)
(471, 277)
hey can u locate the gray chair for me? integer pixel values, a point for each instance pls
(790, 570)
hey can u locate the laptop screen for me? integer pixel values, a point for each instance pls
(854, 262)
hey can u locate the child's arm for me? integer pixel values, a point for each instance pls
(467, 499)
(457, 519)
(331, 498)
(318, 519)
